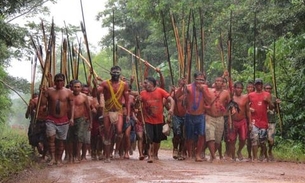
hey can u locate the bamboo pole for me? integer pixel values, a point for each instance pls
(144, 61)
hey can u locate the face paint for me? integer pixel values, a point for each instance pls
(115, 75)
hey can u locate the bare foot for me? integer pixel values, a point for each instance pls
(51, 163)
(60, 164)
(198, 159)
(240, 156)
(107, 160)
(214, 160)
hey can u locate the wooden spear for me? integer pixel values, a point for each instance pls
(275, 89)
(220, 47)
(178, 45)
(14, 91)
(38, 53)
(254, 46)
(87, 62)
(167, 51)
(202, 68)
(45, 71)
(187, 55)
(144, 61)
(138, 89)
(83, 27)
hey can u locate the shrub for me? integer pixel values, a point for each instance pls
(15, 152)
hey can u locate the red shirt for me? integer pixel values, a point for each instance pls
(259, 116)
(153, 105)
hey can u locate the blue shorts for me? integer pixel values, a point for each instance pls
(178, 125)
(194, 126)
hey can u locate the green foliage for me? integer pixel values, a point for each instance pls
(5, 103)
(14, 152)
(281, 22)
(289, 150)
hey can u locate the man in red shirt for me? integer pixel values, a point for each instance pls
(259, 103)
(152, 98)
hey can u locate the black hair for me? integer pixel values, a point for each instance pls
(59, 76)
(250, 83)
(151, 79)
(198, 73)
(116, 67)
(76, 81)
(238, 83)
(267, 84)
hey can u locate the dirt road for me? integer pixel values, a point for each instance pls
(166, 170)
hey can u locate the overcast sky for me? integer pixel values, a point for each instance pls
(70, 12)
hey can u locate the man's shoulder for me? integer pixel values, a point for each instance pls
(245, 96)
(225, 92)
(67, 90)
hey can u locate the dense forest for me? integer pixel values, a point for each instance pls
(267, 40)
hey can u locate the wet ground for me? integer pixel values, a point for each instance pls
(167, 170)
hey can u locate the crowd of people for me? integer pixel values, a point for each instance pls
(106, 119)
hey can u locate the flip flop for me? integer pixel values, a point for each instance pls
(149, 161)
(141, 158)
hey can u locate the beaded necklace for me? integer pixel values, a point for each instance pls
(196, 104)
(220, 108)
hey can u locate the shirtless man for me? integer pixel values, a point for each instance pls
(260, 101)
(215, 116)
(178, 120)
(82, 124)
(37, 129)
(239, 121)
(271, 121)
(127, 130)
(94, 134)
(196, 99)
(114, 91)
(60, 104)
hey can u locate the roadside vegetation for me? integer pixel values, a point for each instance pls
(15, 152)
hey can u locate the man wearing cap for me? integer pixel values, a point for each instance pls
(260, 101)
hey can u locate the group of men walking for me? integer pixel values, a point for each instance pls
(102, 119)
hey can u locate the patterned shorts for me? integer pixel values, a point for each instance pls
(258, 135)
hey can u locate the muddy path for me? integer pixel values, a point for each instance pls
(166, 170)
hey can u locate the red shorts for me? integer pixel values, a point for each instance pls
(240, 129)
(139, 127)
